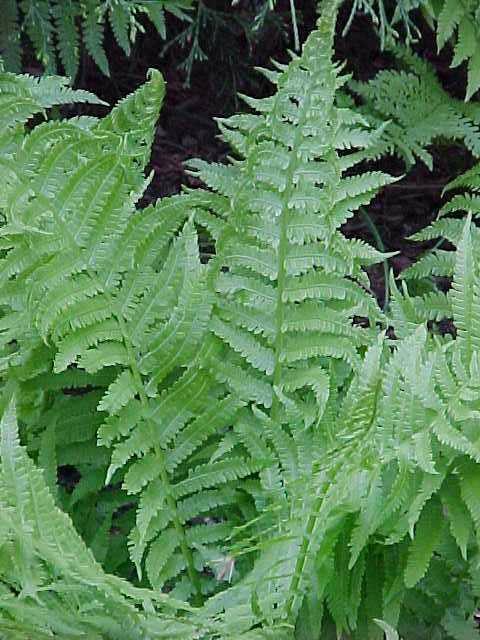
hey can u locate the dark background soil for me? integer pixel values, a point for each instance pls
(195, 96)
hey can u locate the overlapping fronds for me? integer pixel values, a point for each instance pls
(31, 170)
(59, 29)
(418, 111)
(51, 584)
(391, 504)
(285, 286)
(115, 303)
(251, 435)
(24, 97)
(288, 284)
(455, 22)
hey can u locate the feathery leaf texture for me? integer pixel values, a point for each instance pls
(243, 443)
(55, 572)
(59, 30)
(455, 22)
(417, 110)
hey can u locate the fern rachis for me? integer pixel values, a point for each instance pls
(245, 425)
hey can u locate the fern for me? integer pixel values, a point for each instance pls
(44, 559)
(128, 304)
(418, 111)
(455, 22)
(459, 19)
(441, 262)
(53, 27)
(248, 454)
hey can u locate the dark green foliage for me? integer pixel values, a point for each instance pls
(455, 23)
(57, 29)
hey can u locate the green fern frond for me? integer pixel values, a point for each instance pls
(60, 30)
(459, 519)
(459, 19)
(66, 15)
(25, 96)
(93, 34)
(43, 540)
(464, 297)
(38, 25)
(120, 20)
(112, 291)
(299, 263)
(417, 110)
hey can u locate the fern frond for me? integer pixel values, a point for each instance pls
(58, 30)
(458, 19)
(93, 34)
(38, 25)
(279, 247)
(417, 109)
(43, 537)
(65, 16)
(120, 20)
(464, 297)
(79, 297)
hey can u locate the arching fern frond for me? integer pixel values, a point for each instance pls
(123, 296)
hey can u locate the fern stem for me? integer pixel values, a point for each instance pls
(279, 311)
(381, 247)
(330, 14)
(296, 37)
(282, 273)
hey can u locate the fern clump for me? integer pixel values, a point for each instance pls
(93, 170)
(259, 451)
(115, 305)
(271, 248)
(51, 583)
